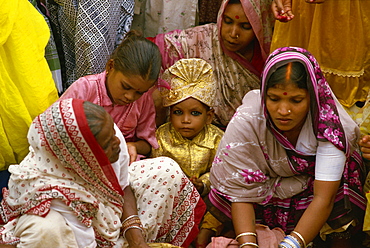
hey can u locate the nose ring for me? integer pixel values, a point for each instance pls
(289, 111)
(237, 36)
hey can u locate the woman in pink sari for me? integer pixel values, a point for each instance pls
(236, 48)
(290, 159)
(75, 188)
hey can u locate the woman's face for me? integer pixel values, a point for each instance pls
(287, 106)
(123, 90)
(108, 140)
(236, 30)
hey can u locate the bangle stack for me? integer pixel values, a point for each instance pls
(301, 238)
(131, 222)
(292, 242)
(247, 243)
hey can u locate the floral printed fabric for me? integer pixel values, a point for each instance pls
(255, 163)
(169, 206)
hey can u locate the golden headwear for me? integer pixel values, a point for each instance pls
(189, 78)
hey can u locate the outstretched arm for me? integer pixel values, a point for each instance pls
(243, 218)
(318, 211)
(134, 236)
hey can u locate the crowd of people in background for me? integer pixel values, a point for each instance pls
(151, 123)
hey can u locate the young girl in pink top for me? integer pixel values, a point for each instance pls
(121, 90)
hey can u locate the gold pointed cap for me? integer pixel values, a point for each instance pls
(189, 78)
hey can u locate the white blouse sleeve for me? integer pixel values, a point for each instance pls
(329, 162)
(120, 167)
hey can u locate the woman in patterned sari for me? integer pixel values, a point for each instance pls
(75, 188)
(236, 48)
(289, 158)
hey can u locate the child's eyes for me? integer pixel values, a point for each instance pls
(195, 113)
(177, 112)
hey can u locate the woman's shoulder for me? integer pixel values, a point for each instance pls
(252, 99)
(250, 112)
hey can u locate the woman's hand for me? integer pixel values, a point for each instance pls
(282, 10)
(365, 146)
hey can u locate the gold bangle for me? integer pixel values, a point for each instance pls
(246, 234)
(301, 237)
(130, 217)
(131, 222)
(248, 243)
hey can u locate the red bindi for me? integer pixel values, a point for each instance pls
(285, 93)
(236, 17)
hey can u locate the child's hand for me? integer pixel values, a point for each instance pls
(197, 183)
(132, 151)
(365, 146)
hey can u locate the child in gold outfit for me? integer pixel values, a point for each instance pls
(189, 137)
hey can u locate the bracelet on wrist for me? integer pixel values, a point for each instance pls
(248, 243)
(133, 227)
(246, 234)
(301, 238)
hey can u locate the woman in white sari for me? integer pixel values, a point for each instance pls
(75, 188)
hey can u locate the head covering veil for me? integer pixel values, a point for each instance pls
(66, 163)
(325, 117)
(262, 21)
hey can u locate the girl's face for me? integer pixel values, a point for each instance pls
(123, 90)
(287, 106)
(108, 140)
(189, 117)
(236, 30)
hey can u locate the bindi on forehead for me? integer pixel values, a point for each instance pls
(285, 93)
(237, 17)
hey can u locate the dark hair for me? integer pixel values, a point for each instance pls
(95, 116)
(137, 56)
(234, 2)
(293, 72)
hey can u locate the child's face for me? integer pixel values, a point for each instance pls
(124, 90)
(189, 117)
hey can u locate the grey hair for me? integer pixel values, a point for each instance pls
(96, 117)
